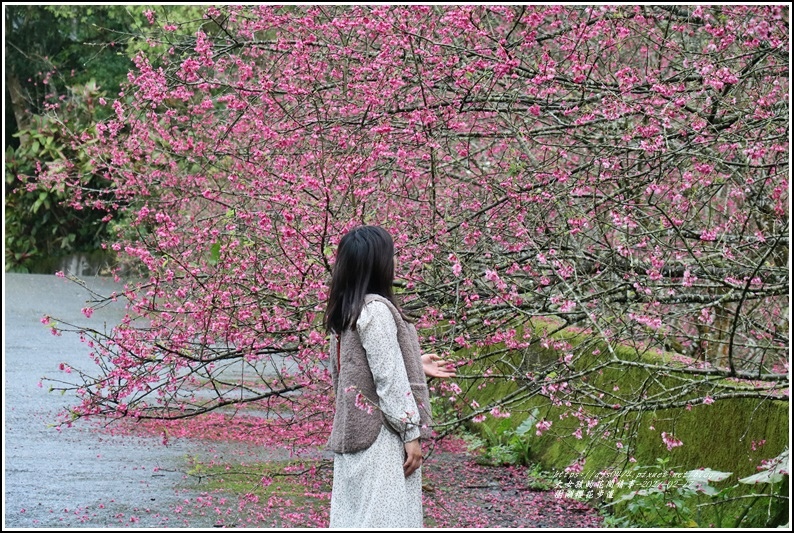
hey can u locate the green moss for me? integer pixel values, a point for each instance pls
(722, 436)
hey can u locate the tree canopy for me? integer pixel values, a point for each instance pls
(571, 189)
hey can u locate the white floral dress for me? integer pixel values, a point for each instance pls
(369, 488)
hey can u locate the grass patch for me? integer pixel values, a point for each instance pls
(272, 494)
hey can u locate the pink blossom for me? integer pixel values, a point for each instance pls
(670, 441)
(496, 412)
(708, 235)
(575, 467)
(567, 306)
(651, 322)
(542, 426)
(362, 403)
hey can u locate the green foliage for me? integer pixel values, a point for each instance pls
(66, 46)
(538, 478)
(185, 18)
(680, 500)
(50, 48)
(60, 59)
(39, 220)
(505, 445)
(666, 504)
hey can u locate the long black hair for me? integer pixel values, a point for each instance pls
(364, 265)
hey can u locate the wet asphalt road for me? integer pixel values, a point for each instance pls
(77, 477)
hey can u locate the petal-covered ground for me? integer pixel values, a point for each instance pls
(264, 486)
(461, 493)
(257, 482)
(458, 493)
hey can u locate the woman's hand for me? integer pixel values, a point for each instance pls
(413, 459)
(435, 367)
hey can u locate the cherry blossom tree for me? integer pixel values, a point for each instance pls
(571, 189)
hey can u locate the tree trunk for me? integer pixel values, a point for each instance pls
(19, 104)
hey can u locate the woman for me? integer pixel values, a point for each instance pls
(382, 403)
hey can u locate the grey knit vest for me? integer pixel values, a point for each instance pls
(354, 428)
